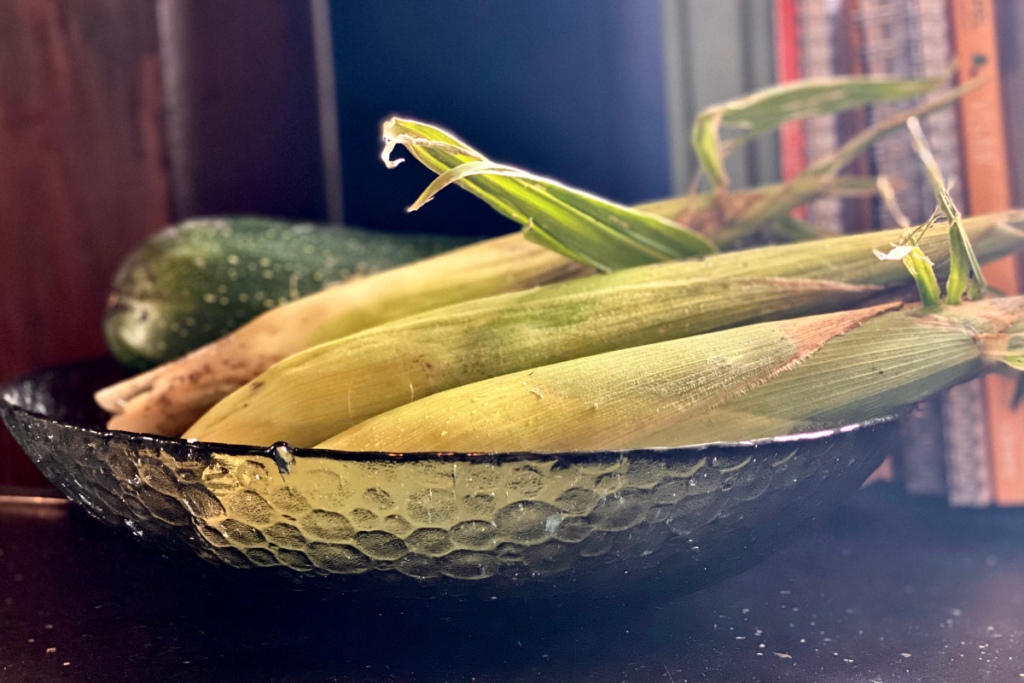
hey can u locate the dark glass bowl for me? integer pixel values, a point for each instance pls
(660, 521)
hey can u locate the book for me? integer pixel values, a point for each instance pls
(964, 440)
(1010, 27)
(965, 445)
(987, 183)
(789, 67)
(817, 57)
(888, 51)
(922, 462)
(968, 478)
(909, 38)
(858, 214)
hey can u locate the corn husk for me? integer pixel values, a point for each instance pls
(825, 169)
(769, 108)
(709, 212)
(192, 384)
(169, 398)
(751, 382)
(610, 237)
(317, 393)
(307, 397)
(587, 228)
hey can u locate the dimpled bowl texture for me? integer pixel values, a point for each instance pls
(665, 521)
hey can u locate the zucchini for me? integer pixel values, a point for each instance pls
(195, 282)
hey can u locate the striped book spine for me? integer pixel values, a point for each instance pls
(789, 67)
(817, 61)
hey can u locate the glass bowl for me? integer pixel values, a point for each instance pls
(661, 521)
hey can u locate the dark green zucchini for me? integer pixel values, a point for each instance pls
(197, 281)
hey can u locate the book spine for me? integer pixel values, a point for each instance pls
(788, 67)
(965, 444)
(934, 54)
(817, 60)
(983, 139)
(888, 51)
(1010, 23)
(921, 463)
(968, 476)
(858, 214)
(891, 32)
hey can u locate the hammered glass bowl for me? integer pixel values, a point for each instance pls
(502, 525)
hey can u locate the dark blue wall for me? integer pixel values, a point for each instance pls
(566, 88)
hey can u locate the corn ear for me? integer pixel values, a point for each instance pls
(764, 380)
(312, 395)
(167, 399)
(307, 397)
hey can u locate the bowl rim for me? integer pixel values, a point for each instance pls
(283, 453)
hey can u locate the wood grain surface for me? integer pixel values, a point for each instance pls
(82, 176)
(119, 116)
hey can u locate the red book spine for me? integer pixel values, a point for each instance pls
(792, 136)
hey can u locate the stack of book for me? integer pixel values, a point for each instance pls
(967, 445)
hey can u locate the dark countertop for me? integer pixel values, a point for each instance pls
(888, 589)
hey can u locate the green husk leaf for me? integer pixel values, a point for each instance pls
(825, 170)
(959, 280)
(616, 237)
(534, 234)
(769, 108)
(465, 170)
(924, 277)
(793, 229)
(965, 271)
(703, 209)
(1013, 353)
(708, 212)
(594, 231)
(920, 268)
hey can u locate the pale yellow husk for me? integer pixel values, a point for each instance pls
(169, 398)
(759, 381)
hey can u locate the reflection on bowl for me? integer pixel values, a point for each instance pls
(664, 521)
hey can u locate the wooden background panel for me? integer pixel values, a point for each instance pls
(241, 107)
(82, 175)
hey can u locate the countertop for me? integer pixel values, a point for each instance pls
(887, 589)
